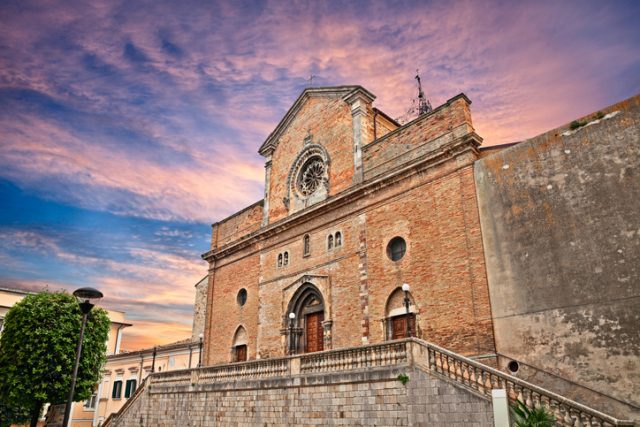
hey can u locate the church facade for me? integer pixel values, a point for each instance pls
(355, 206)
(524, 256)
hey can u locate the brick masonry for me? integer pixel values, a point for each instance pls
(418, 185)
(373, 398)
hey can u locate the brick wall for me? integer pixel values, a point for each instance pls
(432, 206)
(426, 134)
(242, 223)
(328, 121)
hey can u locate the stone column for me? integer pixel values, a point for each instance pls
(267, 182)
(359, 100)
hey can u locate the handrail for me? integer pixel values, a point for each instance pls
(568, 381)
(483, 379)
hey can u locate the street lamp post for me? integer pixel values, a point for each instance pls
(153, 360)
(200, 351)
(85, 297)
(407, 303)
(292, 317)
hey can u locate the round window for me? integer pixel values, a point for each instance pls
(396, 248)
(310, 176)
(513, 366)
(242, 297)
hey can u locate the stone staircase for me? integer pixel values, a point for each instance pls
(359, 385)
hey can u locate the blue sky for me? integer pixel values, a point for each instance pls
(128, 127)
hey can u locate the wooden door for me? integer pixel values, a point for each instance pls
(399, 326)
(314, 332)
(241, 353)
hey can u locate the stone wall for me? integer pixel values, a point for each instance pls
(561, 230)
(199, 309)
(371, 397)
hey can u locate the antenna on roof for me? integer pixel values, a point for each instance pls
(310, 80)
(424, 106)
(420, 105)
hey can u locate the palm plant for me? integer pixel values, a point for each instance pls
(531, 417)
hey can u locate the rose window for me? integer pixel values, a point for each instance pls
(311, 176)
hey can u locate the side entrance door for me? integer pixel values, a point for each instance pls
(399, 326)
(314, 332)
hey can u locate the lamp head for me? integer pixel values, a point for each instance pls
(201, 335)
(87, 297)
(87, 294)
(292, 316)
(406, 287)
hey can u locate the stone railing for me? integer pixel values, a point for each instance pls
(258, 369)
(483, 379)
(410, 352)
(370, 356)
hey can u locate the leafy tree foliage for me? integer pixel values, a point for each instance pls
(37, 353)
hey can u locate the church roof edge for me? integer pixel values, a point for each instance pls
(347, 90)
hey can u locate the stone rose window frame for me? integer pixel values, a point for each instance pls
(308, 181)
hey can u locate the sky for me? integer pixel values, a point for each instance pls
(128, 127)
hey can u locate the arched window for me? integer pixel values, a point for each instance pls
(239, 348)
(279, 260)
(306, 243)
(330, 242)
(400, 324)
(338, 239)
(286, 259)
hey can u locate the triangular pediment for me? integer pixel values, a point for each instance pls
(344, 91)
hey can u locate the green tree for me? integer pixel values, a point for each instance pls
(37, 353)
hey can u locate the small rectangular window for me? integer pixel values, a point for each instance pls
(130, 388)
(91, 402)
(117, 390)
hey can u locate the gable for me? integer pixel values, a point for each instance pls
(319, 126)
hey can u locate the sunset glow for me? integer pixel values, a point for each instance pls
(128, 127)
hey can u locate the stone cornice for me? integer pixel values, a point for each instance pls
(465, 143)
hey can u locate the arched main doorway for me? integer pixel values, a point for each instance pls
(306, 329)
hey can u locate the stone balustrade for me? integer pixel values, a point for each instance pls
(450, 366)
(387, 354)
(483, 379)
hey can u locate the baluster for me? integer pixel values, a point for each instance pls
(597, 422)
(464, 374)
(566, 417)
(458, 370)
(518, 390)
(527, 400)
(575, 417)
(472, 376)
